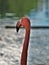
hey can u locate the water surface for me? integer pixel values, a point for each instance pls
(11, 44)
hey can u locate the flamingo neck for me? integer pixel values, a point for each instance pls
(25, 48)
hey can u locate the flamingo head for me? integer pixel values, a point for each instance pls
(25, 22)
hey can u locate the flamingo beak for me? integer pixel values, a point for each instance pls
(18, 26)
(17, 29)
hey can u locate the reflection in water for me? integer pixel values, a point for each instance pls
(11, 46)
(39, 47)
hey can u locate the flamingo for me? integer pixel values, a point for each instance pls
(25, 22)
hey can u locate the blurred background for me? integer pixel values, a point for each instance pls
(11, 42)
(17, 7)
(36, 10)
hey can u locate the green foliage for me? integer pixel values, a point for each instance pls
(20, 7)
(3, 7)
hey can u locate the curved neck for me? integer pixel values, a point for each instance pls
(25, 48)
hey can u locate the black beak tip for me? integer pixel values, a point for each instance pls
(17, 29)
